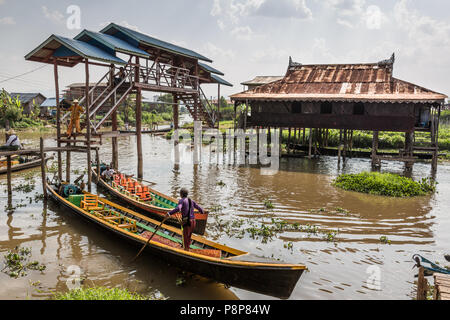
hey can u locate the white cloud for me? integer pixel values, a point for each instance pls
(374, 17)
(54, 15)
(229, 13)
(7, 20)
(242, 33)
(355, 13)
(123, 23)
(211, 50)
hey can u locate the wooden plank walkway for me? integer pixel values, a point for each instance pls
(441, 286)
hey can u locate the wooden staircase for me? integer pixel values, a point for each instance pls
(206, 112)
(109, 99)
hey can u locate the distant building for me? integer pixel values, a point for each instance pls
(48, 107)
(259, 81)
(28, 100)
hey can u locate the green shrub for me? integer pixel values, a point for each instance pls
(386, 184)
(100, 293)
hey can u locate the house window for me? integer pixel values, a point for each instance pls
(297, 107)
(326, 108)
(358, 108)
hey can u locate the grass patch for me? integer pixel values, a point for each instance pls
(101, 293)
(385, 184)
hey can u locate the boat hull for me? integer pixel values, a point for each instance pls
(24, 166)
(276, 280)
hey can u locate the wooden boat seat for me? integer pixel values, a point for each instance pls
(91, 202)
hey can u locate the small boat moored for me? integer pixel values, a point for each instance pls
(206, 258)
(146, 199)
(19, 164)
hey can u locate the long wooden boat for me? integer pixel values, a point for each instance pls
(156, 203)
(206, 258)
(25, 165)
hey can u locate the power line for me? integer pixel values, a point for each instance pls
(28, 82)
(23, 74)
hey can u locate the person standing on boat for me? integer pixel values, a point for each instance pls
(75, 112)
(12, 141)
(186, 207)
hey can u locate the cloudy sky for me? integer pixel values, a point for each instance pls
(244, 38)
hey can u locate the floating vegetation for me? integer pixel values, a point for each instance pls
(17, 263)
(102, 293)
(221, 183)
(385, 240)
(26, 188)
(289, 246)
(265, 230)
(268, 204)
(386, 184)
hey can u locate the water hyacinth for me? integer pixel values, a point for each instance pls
(386, 184)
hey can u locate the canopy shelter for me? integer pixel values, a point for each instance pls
(135, 62)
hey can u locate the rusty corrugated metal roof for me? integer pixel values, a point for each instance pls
(260, 80)
(340, 82)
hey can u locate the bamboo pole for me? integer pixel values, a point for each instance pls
(43, 173)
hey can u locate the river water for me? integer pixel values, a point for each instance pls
(301, 192)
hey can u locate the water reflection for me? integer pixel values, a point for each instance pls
(300, 192)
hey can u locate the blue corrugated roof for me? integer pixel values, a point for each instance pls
(70, 47)
(220, 80)
(89, 51)
(210, 69)
(112, 42)
(51, 102)
(145, 39)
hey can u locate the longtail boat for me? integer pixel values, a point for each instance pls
(141, 196)
(227, 265)
(17, 166)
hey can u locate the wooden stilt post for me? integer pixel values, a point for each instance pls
(409, 138)
(68, 165)
(310, 143)
(304, 137)
(97, 160)
(218, 106)
(139, 133)
(43, 173)
(375, 161)
(58, 119)
(422, 285)
(114, 142)
(288, 147)
(114, 127)
(8, 176)
(175, 112)
(88, 127)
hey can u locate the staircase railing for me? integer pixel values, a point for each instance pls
(208, 108)
(90, 93)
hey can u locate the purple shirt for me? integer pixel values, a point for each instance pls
(183, 207)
